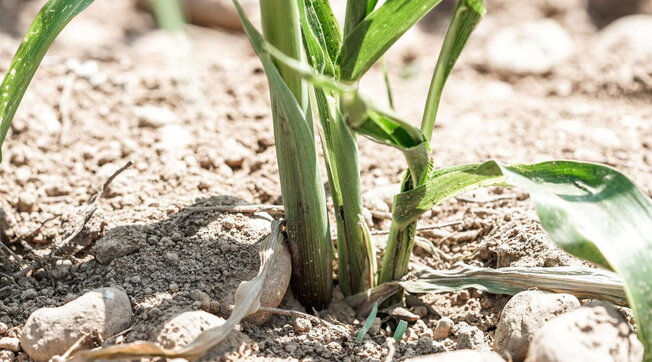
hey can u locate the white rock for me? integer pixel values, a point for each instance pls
(625, 34)
(174, 137)
(591, 333)
(523, 316)
(529, 48)
(10, 343)
(154, 116)
(234, 153)
(51, 331)
(443, 328)
(465, 355)
(183, 328)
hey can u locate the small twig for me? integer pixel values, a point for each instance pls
(243, 209)
(11, 252)
(92, 203)
(36, 230)
(85, 338)
(118, 335)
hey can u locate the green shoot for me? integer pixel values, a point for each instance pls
(400, 330)
(367, 324)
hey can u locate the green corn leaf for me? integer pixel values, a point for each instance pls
(49, 22)
(592, 211)
(371, 37)
(400, 330)
(443, 184)
(356, 11)
(314, 41)
(367, 324)
(322, 35)
(466, 16)
(385, 127)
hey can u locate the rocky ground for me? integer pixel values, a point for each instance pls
(539, 80)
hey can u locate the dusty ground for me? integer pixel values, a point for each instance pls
(101, 100)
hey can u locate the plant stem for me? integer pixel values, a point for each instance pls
(356, 255)
(169, 15)
(301, 182)
(401, 238)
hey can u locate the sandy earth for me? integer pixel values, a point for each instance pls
(201, 135)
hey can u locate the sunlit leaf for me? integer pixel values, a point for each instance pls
(592, 211)
(367, 324)
(49, 22)
(371, 38)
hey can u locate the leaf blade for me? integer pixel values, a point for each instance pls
(45, 27)
(592, 211)
(372, 36)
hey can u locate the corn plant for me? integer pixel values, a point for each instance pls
(313, 66)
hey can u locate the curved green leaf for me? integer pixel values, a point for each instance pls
(466, 16)
(49, 22)
(372, 36)
(592, 211)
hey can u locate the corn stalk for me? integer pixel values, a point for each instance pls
(301, 182)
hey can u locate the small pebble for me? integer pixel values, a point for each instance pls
(443, 328)
(404, 314)
(302, 325)
(421, 311)
(171, 258)
(26, 202)
(174, 287)
(375, 327)
(10, 343)
(199, 296)
(6, 355)
(3, 328)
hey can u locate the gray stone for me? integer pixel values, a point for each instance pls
(596, 332)
(523, 316)
(51, 331)
(470, 337)
(119, 241)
